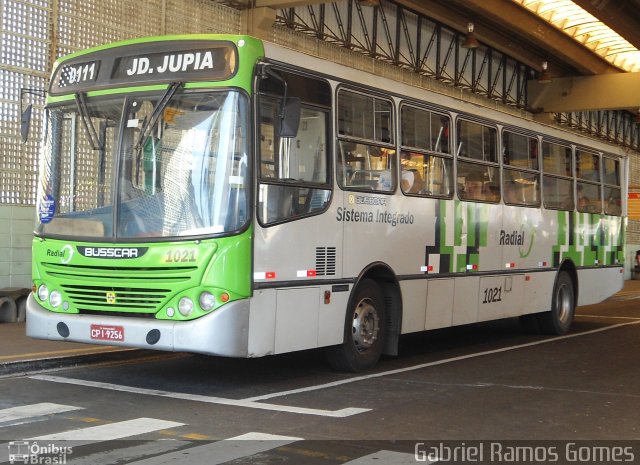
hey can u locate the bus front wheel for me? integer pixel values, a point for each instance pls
(563, 306)
(364, 330)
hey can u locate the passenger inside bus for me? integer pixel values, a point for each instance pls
(513, 192)
(412, 182)
(583, 200)
(473, 186)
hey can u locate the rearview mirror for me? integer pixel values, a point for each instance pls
(290, 118)
(25, 122)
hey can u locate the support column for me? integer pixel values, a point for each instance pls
(586, 93)
(258, 22)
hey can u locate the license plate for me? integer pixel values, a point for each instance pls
(107, 333)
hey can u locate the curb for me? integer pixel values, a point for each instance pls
(23, 367)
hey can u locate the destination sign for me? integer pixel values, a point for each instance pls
(211, 62)
(146, 63)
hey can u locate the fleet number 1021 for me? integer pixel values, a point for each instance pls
(492, 294)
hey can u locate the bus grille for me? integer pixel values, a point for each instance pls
(127, 290)
(115, 299)
(325, 261)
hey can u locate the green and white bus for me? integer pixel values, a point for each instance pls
(222, 195)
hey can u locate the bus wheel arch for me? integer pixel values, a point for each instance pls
(570, 268)
(372, 321)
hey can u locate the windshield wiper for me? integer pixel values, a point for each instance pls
(96, 144)
(148, 125)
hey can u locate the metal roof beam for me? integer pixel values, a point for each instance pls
(276, 4)
(586, 93)
(510, 28)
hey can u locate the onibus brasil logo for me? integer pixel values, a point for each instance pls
(34, 453)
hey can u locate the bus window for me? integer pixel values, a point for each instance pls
(556, 159)
(521, 188)
(613, 201)
(520, 151)
(558, 179)
(424, 174)
(611, 171)
(367, 164)
(521, 176)
(425, 130)
(366, 167)
(291, 164)
(478, 182)
(612, 192)
(294, 172)
(587, 166)
(588, 187)
(476, 141)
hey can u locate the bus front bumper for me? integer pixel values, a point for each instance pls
(223, 332)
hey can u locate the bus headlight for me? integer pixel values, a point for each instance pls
(185, 306)
(207, 301)
(55, 299)
(43, 292)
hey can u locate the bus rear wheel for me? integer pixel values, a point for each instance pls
(364, 330)
(563, 306)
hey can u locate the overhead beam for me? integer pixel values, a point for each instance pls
(276, 4)
(510, 28)
(586, 93)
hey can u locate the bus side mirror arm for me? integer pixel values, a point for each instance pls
(289, 111)
(25, 115)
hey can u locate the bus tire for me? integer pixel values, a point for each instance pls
(364, 330)
(558, 321)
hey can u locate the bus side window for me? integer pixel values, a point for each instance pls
(294, 172)
(368, 164)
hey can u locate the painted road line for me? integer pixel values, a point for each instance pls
(388, 457)
(609, 317)
(346, 412)
(223, 451)
(33, 410)
(111, 431)
(381, 374)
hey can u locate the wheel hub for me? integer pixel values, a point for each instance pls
(366, 325)
(563, 303)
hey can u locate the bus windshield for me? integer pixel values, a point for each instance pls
(171, 168)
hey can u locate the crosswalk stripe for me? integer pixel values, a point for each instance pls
(387, 457)
(222, 451)
(342, 413)
(33, 410)
(111, 431)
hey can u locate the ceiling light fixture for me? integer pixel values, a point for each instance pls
(470, 40)
(544, 77)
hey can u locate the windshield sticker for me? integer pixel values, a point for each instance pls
(47, 209)
(132, 123)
